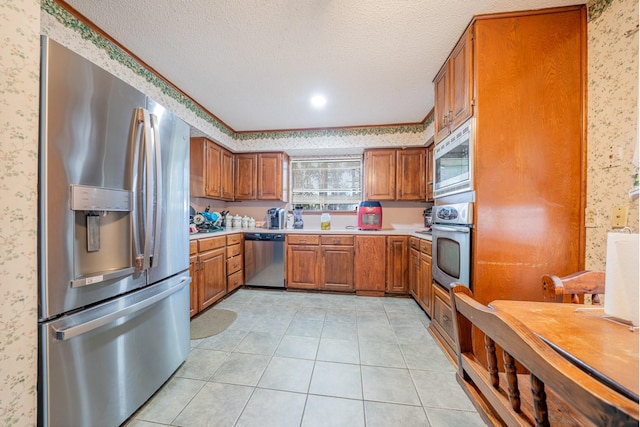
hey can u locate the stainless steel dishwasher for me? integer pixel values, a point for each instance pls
(264, 259)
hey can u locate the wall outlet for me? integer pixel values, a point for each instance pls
(619, 216)
(590, 218)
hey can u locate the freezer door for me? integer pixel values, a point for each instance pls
(171, 236)
(98, 366)
(86, 123)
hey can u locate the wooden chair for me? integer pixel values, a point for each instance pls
(556, 392)
(572, 288)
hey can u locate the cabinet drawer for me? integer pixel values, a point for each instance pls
(193, 247)
(211, 243)
(443, 315)
(414, 242)
(234, 250)
(234, 239)
(303, 239)
(425, 246)
(234, 264)
(336, 240)
(234, 281)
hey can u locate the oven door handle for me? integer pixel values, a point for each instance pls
(437, 227)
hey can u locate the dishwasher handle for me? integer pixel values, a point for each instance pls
(65, 334)
(267, 237)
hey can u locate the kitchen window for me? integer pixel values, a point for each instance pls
(326, 184)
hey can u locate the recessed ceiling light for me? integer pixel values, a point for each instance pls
(318, 101)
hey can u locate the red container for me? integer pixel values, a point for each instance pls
(369, 216)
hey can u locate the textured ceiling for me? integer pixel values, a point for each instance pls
(256, 63)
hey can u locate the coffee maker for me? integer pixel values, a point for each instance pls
(276, 218)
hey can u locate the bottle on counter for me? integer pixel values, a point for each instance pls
(325, 221)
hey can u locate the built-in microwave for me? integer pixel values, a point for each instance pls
(453, 162)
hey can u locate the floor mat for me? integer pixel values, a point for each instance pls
(211, 322)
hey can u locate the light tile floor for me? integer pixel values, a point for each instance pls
(303, 359)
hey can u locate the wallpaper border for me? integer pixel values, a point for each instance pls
(595, 8)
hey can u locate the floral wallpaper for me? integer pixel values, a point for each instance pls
(19, 86)
(612, 133)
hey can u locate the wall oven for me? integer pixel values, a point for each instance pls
(451, 236)
(453, 159)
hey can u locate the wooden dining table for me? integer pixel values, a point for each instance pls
(601, 346)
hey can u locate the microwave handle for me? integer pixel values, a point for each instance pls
(437, 227)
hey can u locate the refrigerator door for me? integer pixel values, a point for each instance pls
(98, 366)
(85, 203)
(170, 252)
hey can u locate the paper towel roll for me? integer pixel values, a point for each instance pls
(621, 282)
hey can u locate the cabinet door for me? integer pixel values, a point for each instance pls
(441, 88)
(461, 81)
(302, 266)
(245, 177)
(397, 262)
(430, 167)
(411, 174)
(270, 176)
(414, 274)
(380, 174)
(337, 268)
(194, 272)
(226, 178)
(213, 283)
(425, 294)
(370, 265)
(213, 156)
(442, 319)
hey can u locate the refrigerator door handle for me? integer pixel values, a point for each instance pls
(135, 141)
(65, 334)
(149, 190)
(158, 190)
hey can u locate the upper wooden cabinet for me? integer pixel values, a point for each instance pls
(380, 174)
(227, 174)
(211, 170)
(430, 167)
(395, 174)
(453, 87)
(246, 177)
(273, 176)
(262, 176)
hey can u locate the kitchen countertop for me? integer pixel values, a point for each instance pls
(384, 232)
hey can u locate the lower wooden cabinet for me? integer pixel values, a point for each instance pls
(370, 264)
(193, 272)
(420, 274)
(235, 261)
(216, 268)
(336, 263)
(397, 262)
(425, 292)
(414, 273)
(442, 320)
(302, 266)
(320, 262)
(213, 277)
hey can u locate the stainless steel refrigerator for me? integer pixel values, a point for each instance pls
(113, 244)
